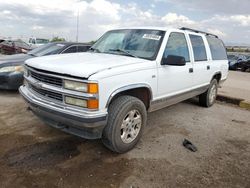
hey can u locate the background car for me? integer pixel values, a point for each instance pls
(10, 47)
(11, 70)
(232, 61)
(36, 42)
(244, 65)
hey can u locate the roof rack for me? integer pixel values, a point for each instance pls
(197, 31)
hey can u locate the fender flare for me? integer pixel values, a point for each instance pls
(129, 87)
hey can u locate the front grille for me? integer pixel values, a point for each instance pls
(46, 93)
(46, 79)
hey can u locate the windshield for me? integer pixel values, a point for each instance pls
(140, 43)
(47, 49)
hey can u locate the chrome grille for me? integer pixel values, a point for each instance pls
(46, 93)
(46, 79)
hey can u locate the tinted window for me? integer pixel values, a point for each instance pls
(47, 49)
(82, 48)
(177, 45)
(198, 48)
(217, 48)
(72, 49)
(42, 41)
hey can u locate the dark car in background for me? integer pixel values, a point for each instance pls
(11, 70)
(10, 47)
(233, 61)
(238, 62)
(244, 64)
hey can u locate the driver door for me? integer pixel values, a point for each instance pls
(175, 80)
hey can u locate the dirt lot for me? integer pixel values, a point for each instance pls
(35, 155)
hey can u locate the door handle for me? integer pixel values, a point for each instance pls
(191, 70)
(208, 67)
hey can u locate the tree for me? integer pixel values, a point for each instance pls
(57, 39)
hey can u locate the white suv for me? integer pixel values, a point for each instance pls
(107, 92)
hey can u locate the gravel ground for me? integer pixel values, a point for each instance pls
(35, 155)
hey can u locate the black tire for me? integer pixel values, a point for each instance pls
(205, 99)
(117, 112)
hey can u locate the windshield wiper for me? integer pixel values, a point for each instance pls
(123, 51)
(94, 50)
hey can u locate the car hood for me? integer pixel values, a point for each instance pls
(16, 59)
(81, 64)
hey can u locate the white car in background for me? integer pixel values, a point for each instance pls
(36, 42)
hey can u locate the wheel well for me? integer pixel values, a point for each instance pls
(142, 93)
(217, 76)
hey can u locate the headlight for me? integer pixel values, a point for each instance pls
(12, 69)
(80, 86)
(25, 71)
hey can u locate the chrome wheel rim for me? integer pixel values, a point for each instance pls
(131, 126)
(212, 94)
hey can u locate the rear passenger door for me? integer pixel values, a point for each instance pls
(173, 80)
(201, 63)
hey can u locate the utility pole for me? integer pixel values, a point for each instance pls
(77, 25)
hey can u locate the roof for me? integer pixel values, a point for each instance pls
(165, 29)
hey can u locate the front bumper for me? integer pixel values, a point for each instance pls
(11, 80)
(86, 124)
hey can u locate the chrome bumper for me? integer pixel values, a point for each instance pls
(86, 124)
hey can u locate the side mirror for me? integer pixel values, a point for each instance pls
(174, 60)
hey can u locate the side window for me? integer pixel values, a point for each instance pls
(217, 48)
(198, 48)
(82, 48)
(72, 49)
(177, 45)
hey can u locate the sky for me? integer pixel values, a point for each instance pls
(229, 19)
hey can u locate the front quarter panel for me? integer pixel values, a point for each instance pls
(130, 76)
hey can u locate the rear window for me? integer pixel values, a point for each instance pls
(217, 48)
(198, 48)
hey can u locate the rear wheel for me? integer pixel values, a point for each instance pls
(126, 120)
(208, 98)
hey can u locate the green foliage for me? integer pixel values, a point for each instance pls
(92, 42)
(237, 49)
(57, 39)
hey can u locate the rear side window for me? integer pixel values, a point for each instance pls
(198, 48)
(72, 49)
(217, 48)
(82, 48)
(177, 45)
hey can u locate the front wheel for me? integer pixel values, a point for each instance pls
(126, 120)
(208, 98)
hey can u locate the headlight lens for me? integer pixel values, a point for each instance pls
(12, 69)
(25, 71)
(80, 86)
(76, 86)
(76, 102)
